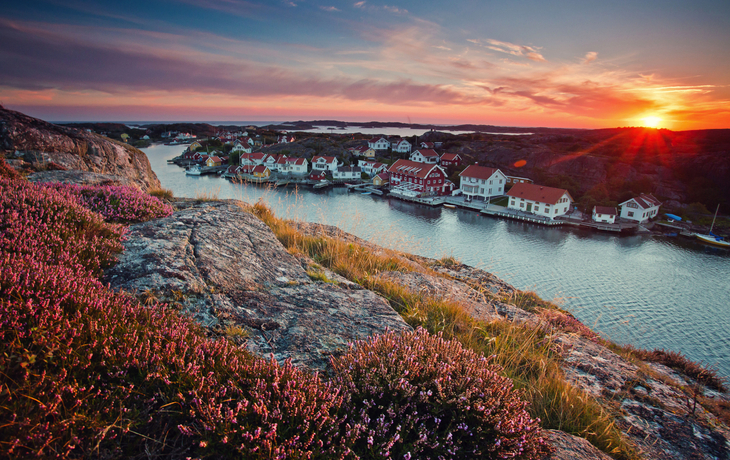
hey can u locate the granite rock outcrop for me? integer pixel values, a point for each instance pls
(43, 146)
(225, 268)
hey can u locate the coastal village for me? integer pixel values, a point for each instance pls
(421, 173)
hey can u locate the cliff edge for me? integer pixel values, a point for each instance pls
(46, 147)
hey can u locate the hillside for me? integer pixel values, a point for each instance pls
(37, 145)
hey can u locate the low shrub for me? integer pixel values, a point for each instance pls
(54, 228)
(116, 203)
(86, 372)
(416, 395)
(7, 172)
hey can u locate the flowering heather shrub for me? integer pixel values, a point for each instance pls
(88, 372)
(415, 395)
(568, 323)
(7, 171)
(116, 203)
(53, 228)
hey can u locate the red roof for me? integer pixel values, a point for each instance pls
(260, 169)
(609, 211)
(412, 168)
(645, 201)
(478, 172)
(427, 153)
(326, 159)
(296, 161)
(538, 193)
(450, 156)
(215, 159)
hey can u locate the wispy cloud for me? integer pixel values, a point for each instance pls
(359, 5)
(395, 9)
(530, 52)
(590, 57)
(329, 8)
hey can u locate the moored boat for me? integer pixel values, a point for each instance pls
(193, 171)
(711, 238)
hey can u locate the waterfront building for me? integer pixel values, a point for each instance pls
(410, 178)
(482, 182)
(324, 163)
(539, 200)
(451, 159)
(604, 214)
(641, 208)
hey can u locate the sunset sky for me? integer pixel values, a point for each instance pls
(569, 63)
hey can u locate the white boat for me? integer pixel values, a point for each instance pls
(711, 238)
(193, 171)
(322, 184)
(449, 205)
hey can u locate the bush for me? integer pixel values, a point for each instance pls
(53, 228)
(116, 203)
(86, 372)
(7, 171)
(415, 395)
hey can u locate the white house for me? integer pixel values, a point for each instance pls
(400, 146)
(605, 214)
(428, 145)
(362, 151)
(255, 158)
(427, 156)
(285, 139)
(297, 166)
(641, 208)
(539, 200)
(482, 182)
(347, 173)
(324, 163)
(379, 143)
(273, 161)
(241, 147)
(372, 168)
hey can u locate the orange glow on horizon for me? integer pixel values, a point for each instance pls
(651, 122)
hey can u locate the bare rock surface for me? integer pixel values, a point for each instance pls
(480, 304)
(225, 268)
(653, 410)
(43, 144)
(81, 178)
(569, 447)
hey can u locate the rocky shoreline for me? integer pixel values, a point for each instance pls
(224, 267)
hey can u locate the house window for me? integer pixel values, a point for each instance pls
(537, 208)
(500, 181)
(631, 213)
(513, 202)
(522, 205)
(556, 211)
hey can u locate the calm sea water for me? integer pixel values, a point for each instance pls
(652, 292)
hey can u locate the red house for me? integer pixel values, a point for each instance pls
(451, 159)
(413, 179)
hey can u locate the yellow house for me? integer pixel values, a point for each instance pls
(213, 161)
(194, 146)
(261, 171)
(381, 179)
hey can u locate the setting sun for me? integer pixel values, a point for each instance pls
(651, 122)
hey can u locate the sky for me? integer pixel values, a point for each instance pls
(560, 63)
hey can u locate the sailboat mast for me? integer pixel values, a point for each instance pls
(713, 219)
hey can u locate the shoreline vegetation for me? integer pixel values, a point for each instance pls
(88, 372)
